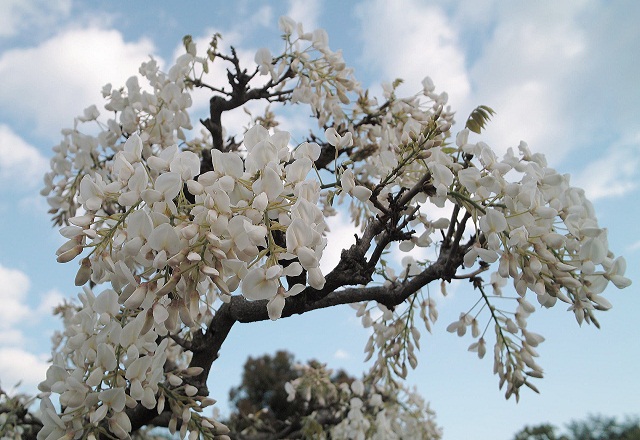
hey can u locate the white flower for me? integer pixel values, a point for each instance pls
(186, 164)
(161, 161)
(137, 183)
(315, 278)
(229, 164)
(493, 221)
(480, 347)
(616, 273)
(336, 140)
(260, 155)
(298, 170)
(169, 185)
(486, 255)
(286, 24)
(260, 202)
(442, 177)
(112, 398)
(120, 425)
(348, 184)
(310, 150)
(270, 183)
(132, 150)
(357, 387)
(264, 59)
(320, 39)
(297, 235)
(594, 250)
(519, 236)
(259, 283)
(428, 86)
(107, 302)
(92, 192)
(165, 238)
(275, 307)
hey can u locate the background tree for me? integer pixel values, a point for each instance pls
(316, 400)
(16, 421)
(180, 238)
(595, 427)
(539, 432)
(598, 427)
(262, 395)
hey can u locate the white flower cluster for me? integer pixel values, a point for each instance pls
(323, 78)
(108, 361)
(162, 253)
(542, 233)
(363, 411)
(157, 111)
(395, 337)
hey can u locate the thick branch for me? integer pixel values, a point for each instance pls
(240, 94)
(353, 269)
(206, 345)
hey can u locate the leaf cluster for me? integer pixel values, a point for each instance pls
(594, 427)
(479, 118)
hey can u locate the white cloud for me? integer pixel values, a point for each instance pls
(21, 165)
(48, 85)
(613, 174)
(306, 12)
(634, 246)
(472, 15)
(11, 337)
(524, 72)
(32, 204)
(18, 365)
(342, 236)
(19, 15)
(341, 354)
(526, 111)
(262, 17)
(15, 285)
(411, 42)
(17, 323)
(49, 301)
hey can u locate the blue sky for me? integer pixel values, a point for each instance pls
(561, 75)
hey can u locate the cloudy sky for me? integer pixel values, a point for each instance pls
(561, 75)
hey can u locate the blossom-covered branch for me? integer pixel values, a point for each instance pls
(181, 237)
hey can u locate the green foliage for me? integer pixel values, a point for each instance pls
(260, 401)
(540, 432)
(262, 387)
(16, 421)
(593, 428)
(604, 428)
(479, 118)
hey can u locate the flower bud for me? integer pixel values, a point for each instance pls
(84, 273)
(192, 371)
(69, 255)
(190, 390)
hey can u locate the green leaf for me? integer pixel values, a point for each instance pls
(330, 196)
(479, 118)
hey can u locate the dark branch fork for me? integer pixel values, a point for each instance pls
(353, 269)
